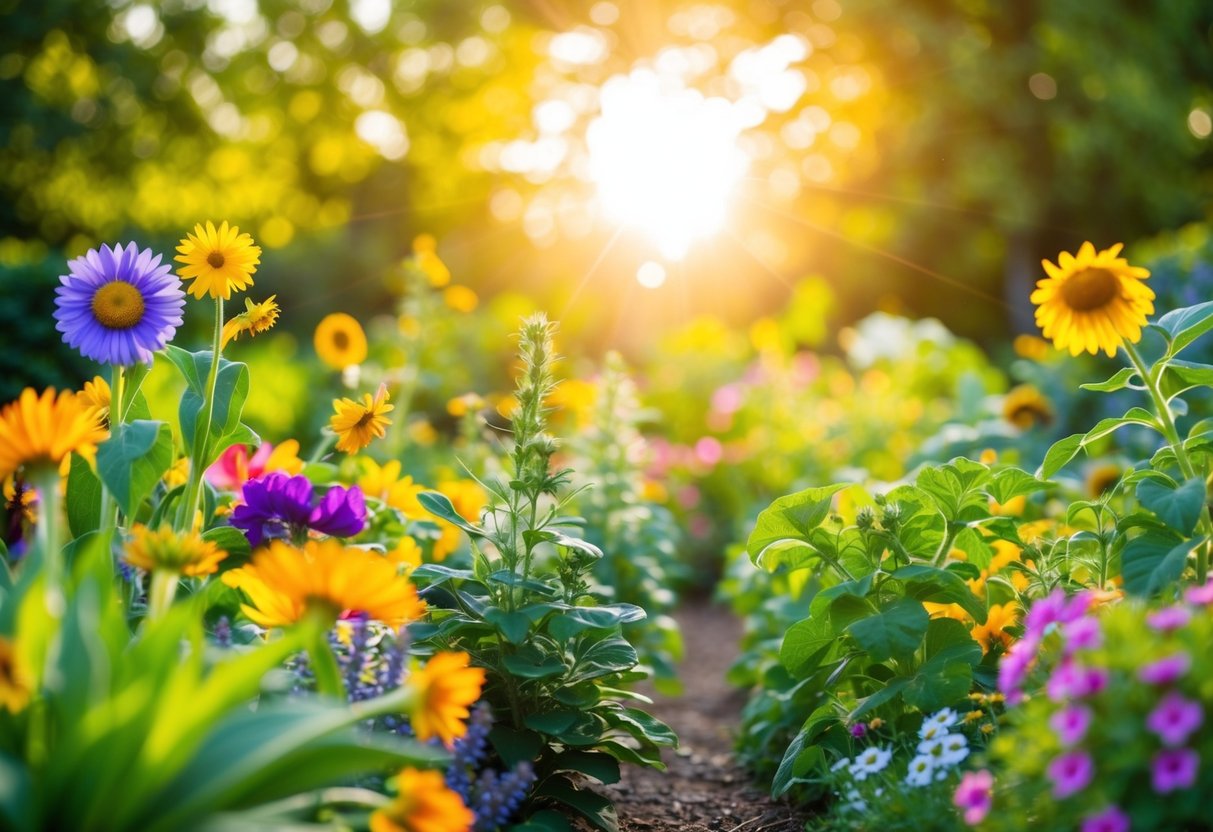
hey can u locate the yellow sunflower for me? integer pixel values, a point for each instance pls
(1092, 301)
(384, 483)
(340, 341)
(283, 584)
(994, 631)
(45, 429)
(1102, 478)
(166, 551)
(357, 424)
(96, 399)
(15, 687)
(423, 804)
(217, 260)
(1025, 407)
(444, 690)
(255, 319)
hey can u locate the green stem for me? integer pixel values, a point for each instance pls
(109, 507)
(161, 594)
(46, 479)
(327, 441)
(1167, 422)
(320, 655)
(202, 430)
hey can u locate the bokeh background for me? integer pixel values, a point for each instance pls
(627, 165)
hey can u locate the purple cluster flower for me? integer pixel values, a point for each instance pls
(1079, 632)
(1071, 724)
(1166, 670)
(496, 797)
(281, 506)
(1169, 619)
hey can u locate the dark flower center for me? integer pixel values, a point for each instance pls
(341, 340)
(1089, 289)
(118, 305)
(215, 260)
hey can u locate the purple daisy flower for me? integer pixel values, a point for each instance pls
(1071, 773)
(1174, 769)
(118, 305)
(1082, 634)
(1071, 723)
(1166, 670)
(1174, 718)
(1072, 680)
(1169, 618)
(281, 506)
(1111, 819)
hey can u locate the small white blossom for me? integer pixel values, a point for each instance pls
(921, 770)
(871, 761)
(855, 801)
(932, 746)
(841, 764)
(942, 719)
(953, 749)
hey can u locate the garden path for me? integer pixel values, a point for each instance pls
(703, 789)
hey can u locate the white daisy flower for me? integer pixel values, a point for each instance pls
(855, 801)
(920, 772)
(953, 749)
(841, 764)
(942, 719)
(931, 731)
(871, 761)
(932, 746)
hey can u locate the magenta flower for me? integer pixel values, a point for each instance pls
(1072, 680)
(1071, 773)
(1175, 718)
(1166, 670)
(1174, 768)
(858, 730)
(281, 506)
(1200, 595)
(1111, 819)
(1082, 634)
(975, 795)
(1169, 618)
(1071, 723)
(1014, 667)
(1044, 612)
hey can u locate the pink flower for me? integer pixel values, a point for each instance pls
(1174, 768)
(235, 467)
(1166, 670)
(1082, 634)
(1071, 723)
(1169, 618)
(709, 451)
(1175, 718)
(1071, 773)
(1072, 680)
(1200, 595)
(858, 730)
(1111, 819)
(1013, 668)
(975, 795)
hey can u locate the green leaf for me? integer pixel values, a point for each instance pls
(791, 518)
(1181, 376)
(1106, 427)
(132, 461)
(230, 540)
(1153, 561)
(897, 630)
(592, 806)
(1183, 326)
(806, 644)
(231, 391)
(612, 655)
(642, 726)
(440, 506)
(1179, 507)
(83, 497)
(514, 746)
(1059, 455)
(1010, 483)
(544, 821)
(1122, 379)
(798, 759)
(515, 626)
(947, 674)
(939, 586)
(552, 722)
(574, 620)
(602, 767)
(531, 664)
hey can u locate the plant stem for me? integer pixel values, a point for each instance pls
(161, 593)
(324, 663)
(1167, 421)
(109, 508)
(46, 479)
(202, 430)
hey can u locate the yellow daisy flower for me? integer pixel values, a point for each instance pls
(357, 424)
(406, 555)
(96, 399)
(15, 688)
(1092, 301)
(445, 688)
(994, 631)
(165, 551)
(45, 429)
(340, 341)
(255, 319)
(423, 803)
(1025, 407)
(460, 298)
(384, 483)
(283, 584)
(217, 260)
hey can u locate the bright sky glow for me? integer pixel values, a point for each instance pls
(664, 159)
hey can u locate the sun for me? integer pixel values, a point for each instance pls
(665, 159)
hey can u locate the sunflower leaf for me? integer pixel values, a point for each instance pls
(1183, 326)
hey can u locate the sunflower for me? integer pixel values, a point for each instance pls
(45, 429)
(255, 319)
(283, 584)
(166, 551)
(15, 688)
(358, 423)
(994, 631)
(217, 260)
(340, 341)
(1025, 407)
(423, 804)
(118, 305)
(1102, 478)
(96, 399)
(444, 689)
(1092, 301)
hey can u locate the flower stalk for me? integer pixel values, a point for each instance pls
(202, 429)
(109, 507)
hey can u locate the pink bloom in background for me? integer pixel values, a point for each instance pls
(975, 795)
(1165, 670)
(1082, 634)
(235, 467)
(1169, 618)
(1174, 769)
(709, 451)
(1071, 723)
(688, 496)
(1013, 668)
(1072, 680)
(1175, 718)
(1202, 595)
(727, 398)
(1071, 773)
(1111, 819)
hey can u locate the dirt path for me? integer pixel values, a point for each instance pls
(703, 790)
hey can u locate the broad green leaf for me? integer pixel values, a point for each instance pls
(806, 644)
(1179, 507)
(132, 461)
(1153, 561)
(230, 540)
(440, 506)
(1059, 455)
(83, 497)
(574, 620)
(515, 746)
(1106, 427)
(1122, 379)
(231, 390)
(552, 722)
(612, 655)
(531, 664)
(791, 518)
(515, 626)
(602, 767)
(895, 631)
(1183, 326)
(1180, 376)
(1010, 483)
(939, 586)
(946, 675)
(798, 760)
(593, 807)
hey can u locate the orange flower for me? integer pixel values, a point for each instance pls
(444, 688)
(423, 804)
(994, 631)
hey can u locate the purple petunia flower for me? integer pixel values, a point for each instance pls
(1071, 773)
(1169, 618)
(1082, 634)
(118, 305)
(1111, 819)
(1014, 667)
(1200, 595)
(1071, 723)
(975, 795)
(1174, 768)
(1072, 680)
(281, 506)
(1166, 670)
(1175, 718)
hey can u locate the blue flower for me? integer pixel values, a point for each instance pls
(118, 305)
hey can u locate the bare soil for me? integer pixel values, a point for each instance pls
(703, 790)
